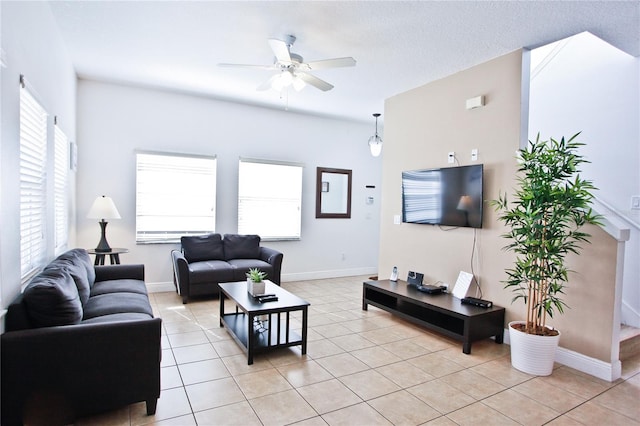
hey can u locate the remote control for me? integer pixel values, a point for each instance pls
(270, 298)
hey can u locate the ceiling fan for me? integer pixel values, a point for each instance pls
(292, 70)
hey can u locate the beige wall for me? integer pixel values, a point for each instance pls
(421, 127)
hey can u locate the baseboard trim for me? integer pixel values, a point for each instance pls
(320, 275)
(592, 366)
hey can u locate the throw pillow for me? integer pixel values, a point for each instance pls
(203, 247)
(52, 299)
(241, 246)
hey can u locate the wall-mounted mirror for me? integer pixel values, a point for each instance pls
(333, 193)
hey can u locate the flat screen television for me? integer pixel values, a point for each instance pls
(449, 196)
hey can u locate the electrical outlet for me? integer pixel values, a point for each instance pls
(635, 202)
(451, 158)
(474, 155)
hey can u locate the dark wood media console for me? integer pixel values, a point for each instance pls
(439, 312)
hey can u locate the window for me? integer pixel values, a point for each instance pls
(33, 160)
(175, 196)
(60, 186)
(269, 199)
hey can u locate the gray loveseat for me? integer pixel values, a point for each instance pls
(79, 340)
(204, 261)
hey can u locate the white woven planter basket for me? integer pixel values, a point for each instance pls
(532, 354)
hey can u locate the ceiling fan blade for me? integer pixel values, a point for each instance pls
(315, 81)
(331, 63)
(280, 50)
(260, 67)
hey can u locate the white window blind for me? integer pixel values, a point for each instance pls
(175, 196)
(60, 189)
(33, 158)
(270, 199)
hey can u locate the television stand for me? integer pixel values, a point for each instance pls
(439, 312)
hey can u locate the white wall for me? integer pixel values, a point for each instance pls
(115, 120)
(33, 48)
(591, 86)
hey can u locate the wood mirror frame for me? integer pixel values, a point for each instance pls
(333, 193)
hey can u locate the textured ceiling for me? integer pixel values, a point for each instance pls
(398, 45)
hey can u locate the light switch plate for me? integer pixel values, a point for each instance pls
(635, 202)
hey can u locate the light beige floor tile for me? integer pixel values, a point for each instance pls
(342, 364)
(227, 348)
(282, 408)
(441, 421)
(361, 325)
(405, 349)
(375, 356)
(623, 398)
(181, 327)
(314, 421)
(328, 396)
(549, 395)
(519, 408)
(576, 382)
(432, 342)
(404, 374)
(187, 339)
(214, 393)
(167, 358)
(479, 414)
(435, 364)
(473, 384)
(402, 408)
(380, 336)
(352, 342)
(369, 384)
(118, 417)
(441, 396)
(323, 348)
(170, 377)
(172, 403)
(304, 373)
(201, 371)
(564, 420)
(591, 413)
(194, 353)
(361, 414)
(217, 334)
(261, 383)
(187, 420)
(501, 371)
(239, 414)
(237, 364)
(288, 355)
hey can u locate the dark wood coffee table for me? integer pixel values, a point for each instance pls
(256, 336)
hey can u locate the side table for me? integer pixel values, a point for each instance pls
(114, 255)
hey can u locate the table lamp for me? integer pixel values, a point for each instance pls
(103, 208)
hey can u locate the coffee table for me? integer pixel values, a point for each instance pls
(256, 336)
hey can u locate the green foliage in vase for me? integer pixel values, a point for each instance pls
(550, 206)
(256, 275)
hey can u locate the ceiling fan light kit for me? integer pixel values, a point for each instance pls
(375, 141)
(293, 71)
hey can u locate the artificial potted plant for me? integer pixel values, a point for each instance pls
(544, 220)
(255, 283)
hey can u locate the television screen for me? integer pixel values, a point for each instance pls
(449, 196)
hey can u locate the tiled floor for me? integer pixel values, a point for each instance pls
(362, 368)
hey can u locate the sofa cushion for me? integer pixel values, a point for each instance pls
(52, 299)
(203, 247)
(78, 264)
(125, 316)
(117, 303)
(210, 271)
(118, 286)
(241, 246)
(242, 266)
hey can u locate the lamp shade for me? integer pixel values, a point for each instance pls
(103, 208)
(375, 145)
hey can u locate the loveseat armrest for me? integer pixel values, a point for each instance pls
(82, 368)
(119, 272)
(274, 258)
(180, 274)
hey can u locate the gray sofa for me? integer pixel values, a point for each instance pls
(204, 261)
(79, 340)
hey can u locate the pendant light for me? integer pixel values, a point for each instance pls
(375, 141)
